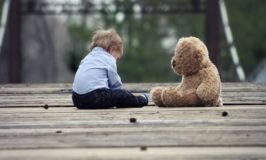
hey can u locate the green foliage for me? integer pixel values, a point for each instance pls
(149, 40)
(80, 39)
(1, 7)
(247, 19)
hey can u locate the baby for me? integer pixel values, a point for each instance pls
(97, 84)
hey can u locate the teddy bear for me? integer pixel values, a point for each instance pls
(200, 84)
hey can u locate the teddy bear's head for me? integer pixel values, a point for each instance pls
(191, 55)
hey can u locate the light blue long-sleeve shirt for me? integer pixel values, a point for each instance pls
(97, 70)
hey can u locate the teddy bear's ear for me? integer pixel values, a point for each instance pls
(202, 54)
(199, 53)
(196, 57)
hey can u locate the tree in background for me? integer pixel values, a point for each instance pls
(247, 19)
(149, 39)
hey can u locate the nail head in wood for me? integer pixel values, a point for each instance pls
(224, 113)
(132, 120)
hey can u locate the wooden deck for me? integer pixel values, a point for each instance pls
(40, 122)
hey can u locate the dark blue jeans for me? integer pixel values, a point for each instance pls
(108, 98)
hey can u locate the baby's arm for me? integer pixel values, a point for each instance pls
(114, 80)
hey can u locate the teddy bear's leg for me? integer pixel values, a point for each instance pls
(208, 92)
(156, 95)
(174, 98)
(219, 102)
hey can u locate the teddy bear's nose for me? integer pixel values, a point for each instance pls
(173, 63)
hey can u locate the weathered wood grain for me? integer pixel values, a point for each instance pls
(59, 95)
(158, 137)
(71, 128)
(57, 100)
(29, 131)
(150, 153)
(134, 87)
(146, 113)
(42, 123)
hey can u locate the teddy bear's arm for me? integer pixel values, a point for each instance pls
(208, 90)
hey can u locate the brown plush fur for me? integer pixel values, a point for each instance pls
(201, 84)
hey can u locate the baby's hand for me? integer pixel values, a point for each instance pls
(146, 97)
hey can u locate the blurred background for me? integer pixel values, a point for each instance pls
(43, 41)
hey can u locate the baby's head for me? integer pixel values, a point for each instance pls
(108, 40)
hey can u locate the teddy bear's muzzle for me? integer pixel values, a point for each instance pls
(173, 63)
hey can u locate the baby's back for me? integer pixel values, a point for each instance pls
(92, 73)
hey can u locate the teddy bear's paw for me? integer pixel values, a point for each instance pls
(220, 102)
(217, 103)
(155, 94)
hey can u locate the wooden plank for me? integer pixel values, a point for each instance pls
(22, 128)
(68, 103)
(146, 113)
(131, 110)
(67, 95)
(134, 87)
(57, 100)
(154, 127)
(186, 153)
(152, 137)
(58, 95)
(126, 124)
(23, 132)
(229, 132)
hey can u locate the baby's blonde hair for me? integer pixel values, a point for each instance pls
(106, 39)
